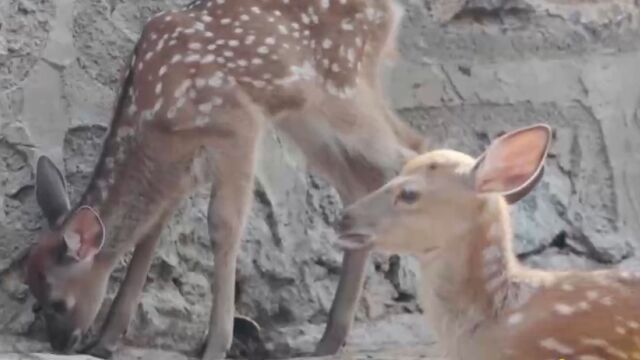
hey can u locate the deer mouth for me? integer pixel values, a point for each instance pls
(355, 241)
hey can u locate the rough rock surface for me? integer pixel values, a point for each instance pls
(469, 70)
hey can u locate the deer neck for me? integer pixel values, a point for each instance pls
(129, 192)
(469, 282)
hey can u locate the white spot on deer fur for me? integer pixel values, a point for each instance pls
(176, 58)
(216, 79)
(326, 43)
(233, 43)
(256, 61)
(564, 309)
(103, 188)
(249, 39)
(608, 301)
(206, 107)
(255, 9)
(244, 17)
(304, 72)
(583, 305)
(270, 41)
(225, 21)
(158, 88)
(515, 318)
(157, 106)
(208, 59)
(200, 82)
(554, 345)
(162, 70)
(567, 287)
(132, 109)
(620, 330)
(590, 357)
(182, 88)
(325, 4)
(172, 112)
(346, 25)
(263, 50)
(194, 46)
(124, 132)
(192, 58)
(283, 30)
(592, 295)
(633, 324)
(201, 120)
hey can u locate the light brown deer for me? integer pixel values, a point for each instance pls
(200, 84)
(451, 212)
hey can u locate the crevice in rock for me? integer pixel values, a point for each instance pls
(577, 243)
(262, 197)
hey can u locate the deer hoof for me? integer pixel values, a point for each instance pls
(98, 350)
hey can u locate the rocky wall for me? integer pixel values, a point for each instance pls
(468, 71)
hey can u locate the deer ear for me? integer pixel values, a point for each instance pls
(514, 163)
(51, 191)
(84, 234)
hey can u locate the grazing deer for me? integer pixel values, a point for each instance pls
(200, 84)
(451, 211)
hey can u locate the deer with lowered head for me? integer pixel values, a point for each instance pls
(201, 83)
(451, 211)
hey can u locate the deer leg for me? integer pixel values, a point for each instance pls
(127, 299)
(344, 304)
(228, 211)
(359, 159)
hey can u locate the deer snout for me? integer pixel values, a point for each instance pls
(63, 339)
(351, 234)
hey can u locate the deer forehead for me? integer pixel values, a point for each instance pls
(450, 158)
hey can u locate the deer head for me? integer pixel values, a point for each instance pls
(438, 195)
(61, 270)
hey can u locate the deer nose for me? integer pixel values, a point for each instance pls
(345, 223)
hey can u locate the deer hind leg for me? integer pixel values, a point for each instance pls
(126, 301)
(229, 207)
(357, 144)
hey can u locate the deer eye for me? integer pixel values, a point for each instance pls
(408, 196)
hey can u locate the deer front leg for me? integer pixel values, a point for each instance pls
(128, 295)
(344, 304)
(228, 211)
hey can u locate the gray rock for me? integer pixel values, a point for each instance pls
(479, 68)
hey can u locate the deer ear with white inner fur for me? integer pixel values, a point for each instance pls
(84, 234)
(513, 164)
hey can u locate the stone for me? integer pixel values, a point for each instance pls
(469, 70)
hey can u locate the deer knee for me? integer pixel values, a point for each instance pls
(224, 231)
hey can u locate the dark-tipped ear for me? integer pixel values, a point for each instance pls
(84, 233)
(514, 163)
(51, 191)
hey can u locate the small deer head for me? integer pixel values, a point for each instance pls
(437, 196)
(60, 271)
